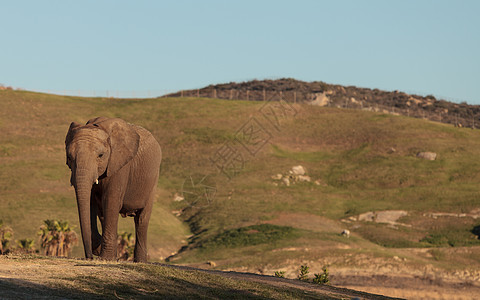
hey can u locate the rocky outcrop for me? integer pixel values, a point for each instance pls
(324, 94)
(386, 216)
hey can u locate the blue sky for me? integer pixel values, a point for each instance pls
(424, 47)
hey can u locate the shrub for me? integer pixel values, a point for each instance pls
(280, 274)
(303, 275)
(322, 278)
(6, 234)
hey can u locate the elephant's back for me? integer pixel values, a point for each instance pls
(148, 146)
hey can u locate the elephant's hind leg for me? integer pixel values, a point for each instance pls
(141, 226)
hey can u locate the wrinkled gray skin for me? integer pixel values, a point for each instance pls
(125, 160)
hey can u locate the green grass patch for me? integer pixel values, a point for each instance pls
(250, 236)
(389, 237)
(456, 235)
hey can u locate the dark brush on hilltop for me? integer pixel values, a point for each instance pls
(324, 94)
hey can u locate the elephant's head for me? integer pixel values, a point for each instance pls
(96, 151)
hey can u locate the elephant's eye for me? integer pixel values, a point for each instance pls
(100, 155)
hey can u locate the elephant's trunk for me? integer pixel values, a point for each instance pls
(84, 180)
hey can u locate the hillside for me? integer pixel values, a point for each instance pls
(332, 95)
(412, 221)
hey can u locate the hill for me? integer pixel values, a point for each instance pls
(49, 278)
(413, 222)
(332, 95)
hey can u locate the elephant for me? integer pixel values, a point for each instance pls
(114, 169)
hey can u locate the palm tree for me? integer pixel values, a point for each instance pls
(125, 246)
(70, 238)
(47, 237)
(26, 246)
(6, 234)
(57, 238)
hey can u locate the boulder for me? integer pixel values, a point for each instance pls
(427, 155)
(320, 99)
(298, 170)
(391, 150)
(286, 181)
(178, 198)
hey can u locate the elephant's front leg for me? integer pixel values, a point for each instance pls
(96, 237)
(109, 230)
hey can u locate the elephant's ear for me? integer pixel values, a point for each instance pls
(68, 139)
(124, 141)
(69, 136)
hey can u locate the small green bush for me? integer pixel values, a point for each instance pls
(303, 274)
(322, 278)
(280, 274)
